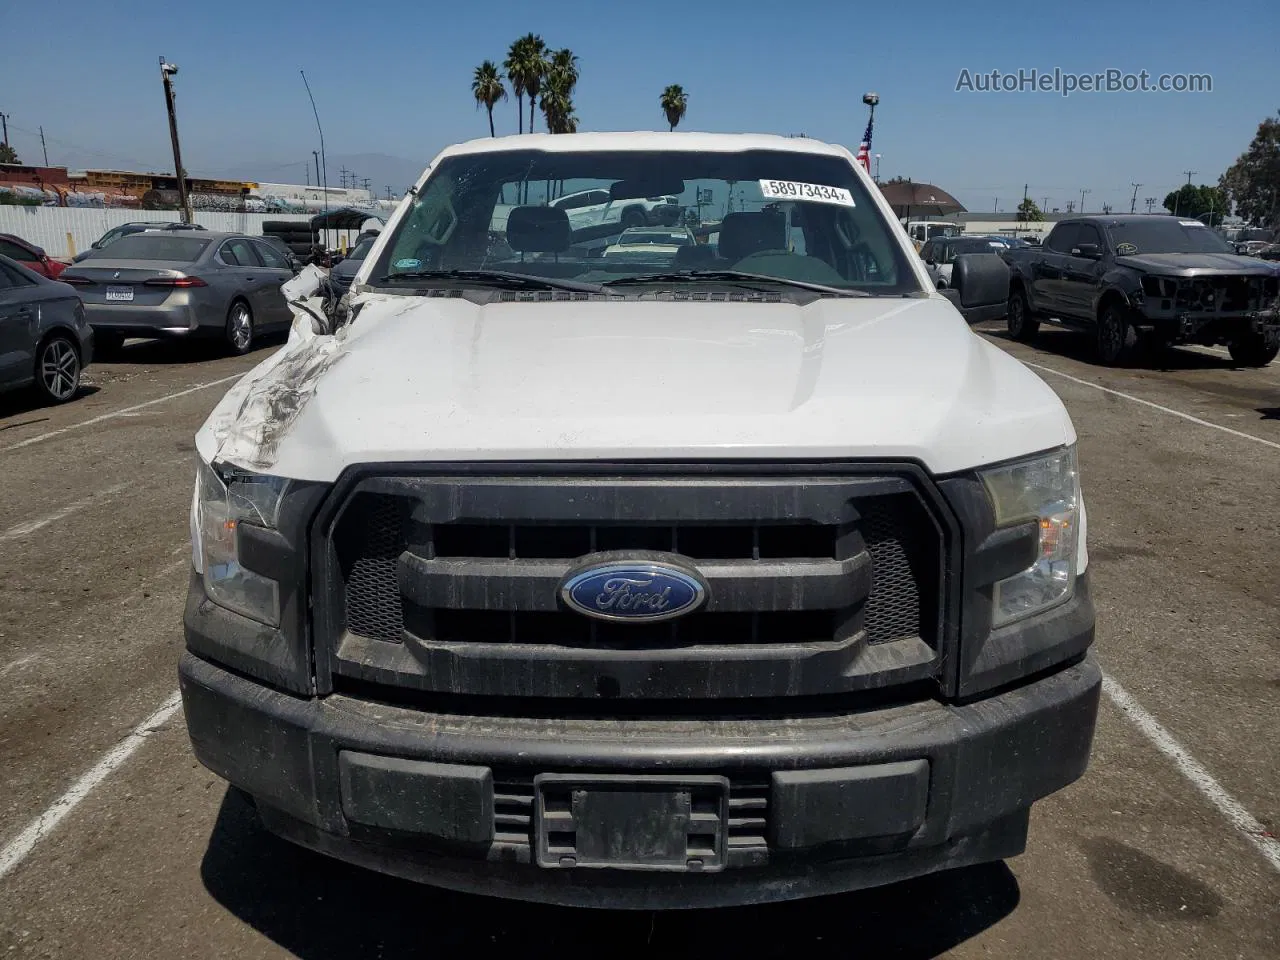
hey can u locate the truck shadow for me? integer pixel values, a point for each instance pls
(1079, 346)
(321, 909)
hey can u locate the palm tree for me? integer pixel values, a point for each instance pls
(557, 96)
(534, 66)
(514, 65)
(674, 103)
(487, 87)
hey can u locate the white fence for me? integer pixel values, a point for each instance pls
(49, 227)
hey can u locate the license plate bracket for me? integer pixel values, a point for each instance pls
(631, 823)
(120, 294)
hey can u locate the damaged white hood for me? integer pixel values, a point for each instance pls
(418, 379)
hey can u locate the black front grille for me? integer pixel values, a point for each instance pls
(454, 570)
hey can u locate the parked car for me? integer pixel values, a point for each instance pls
(940, 253)
(1169, 280)
(344, 271)
(127, 230)
(643, 587)
(31, 256)
(168, 284)
(649, 243)
(295, 262)
(592, 211)
(45, 340)
(1251, 248)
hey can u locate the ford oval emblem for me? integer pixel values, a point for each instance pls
(633, 591)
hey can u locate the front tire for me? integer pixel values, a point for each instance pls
(240, 331)
(1115, 336)
(1018, 320)
(57, 369)
(1254, 349)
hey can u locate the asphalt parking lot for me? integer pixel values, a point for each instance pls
(115, 843)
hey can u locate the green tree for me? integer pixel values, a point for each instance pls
(1253, 181)
(674, 102)
(487, 88)
(8, 154)
(1029, 211)
(514, 65)
(527, 68)
(557, 96)
(1193, 202)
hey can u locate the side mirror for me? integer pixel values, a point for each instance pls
(1089, 251)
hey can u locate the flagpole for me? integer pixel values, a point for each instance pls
(864, 154)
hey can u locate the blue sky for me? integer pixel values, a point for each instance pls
(392, 81)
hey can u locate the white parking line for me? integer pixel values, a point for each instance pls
(31, 526)
(17, 849)
(1151, 728)
(127, 411)
(1155, 406)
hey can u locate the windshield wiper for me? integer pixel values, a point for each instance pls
(498, 278)
(738, 277)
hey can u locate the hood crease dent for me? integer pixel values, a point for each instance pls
(418, 380)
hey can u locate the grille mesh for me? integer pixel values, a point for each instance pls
(893, 609)
(374, 527)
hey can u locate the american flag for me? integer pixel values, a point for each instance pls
(864, 151)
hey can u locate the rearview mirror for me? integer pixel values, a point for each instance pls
(1089, 251)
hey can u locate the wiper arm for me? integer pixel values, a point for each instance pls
(498, 278)
(740, 277)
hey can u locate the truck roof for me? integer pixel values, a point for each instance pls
(646, 140)
(1120, 217)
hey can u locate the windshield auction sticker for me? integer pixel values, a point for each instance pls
(816, 192)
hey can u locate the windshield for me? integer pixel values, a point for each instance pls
(1164, 235)
(361, 249)
(660, 237)
(157, 246)
(794, 216)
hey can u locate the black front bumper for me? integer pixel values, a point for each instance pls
(852, 800)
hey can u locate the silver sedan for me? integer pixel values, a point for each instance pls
(166, 284)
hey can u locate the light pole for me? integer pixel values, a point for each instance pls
(167, 70)
(877, 168)
(323, 174)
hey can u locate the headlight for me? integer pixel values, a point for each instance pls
(223, 500)
(1047, 490)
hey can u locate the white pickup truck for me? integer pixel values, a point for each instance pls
(741, 575)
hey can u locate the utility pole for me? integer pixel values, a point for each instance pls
(307, 167)
(167, 70)
(1082, 193)
(1044, 204)
(316, 155)
(4, 120)
(1190, 174)
(342, 176)
(322, 174)
(388, 191)
(43, 148)
(1150, 202)
(366, 183)
(1133, 204)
